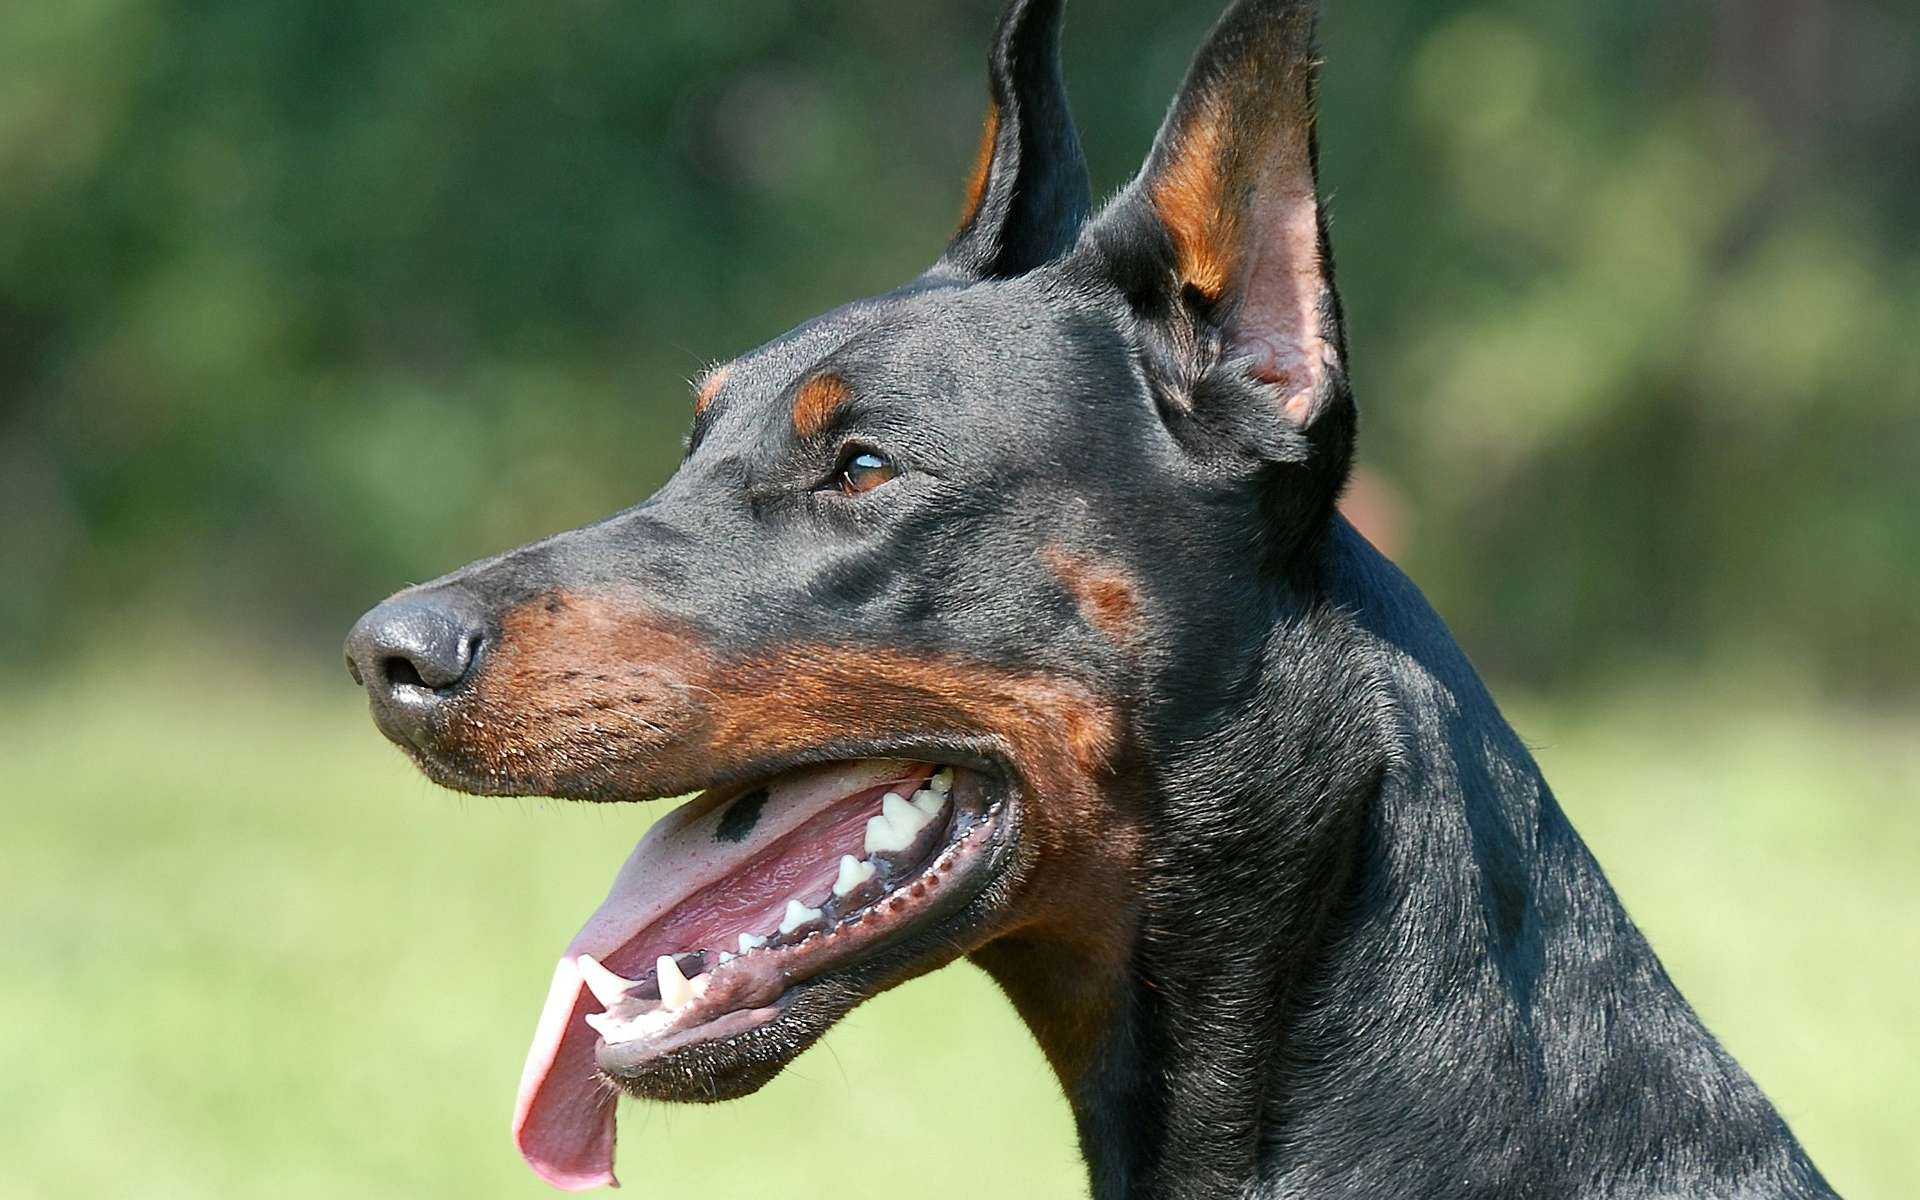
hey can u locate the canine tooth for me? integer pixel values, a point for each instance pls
(853, 873)
(883, 835)
(942, 780)
(675, 991)
(749, 942)
(798, 914)
(929, 802)
(903, 815)
(606, 987)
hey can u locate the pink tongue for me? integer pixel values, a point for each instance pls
(563, 1118)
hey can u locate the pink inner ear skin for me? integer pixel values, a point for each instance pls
(1266, 360)
(1276, 325)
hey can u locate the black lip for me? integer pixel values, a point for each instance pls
(727, 1057)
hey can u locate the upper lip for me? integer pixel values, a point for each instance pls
(606, 784)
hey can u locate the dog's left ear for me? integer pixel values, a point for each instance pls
(1028, 197)
(1220, 244)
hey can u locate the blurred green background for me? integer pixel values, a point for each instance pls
(301, 302)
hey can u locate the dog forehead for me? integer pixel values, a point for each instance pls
(989, 344)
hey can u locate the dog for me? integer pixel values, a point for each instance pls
(1010, 616)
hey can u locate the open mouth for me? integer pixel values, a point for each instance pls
(727, 918)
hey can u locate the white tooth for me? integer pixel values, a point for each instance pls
(613, 1030)
(853, 873)
(726, 956)
(904, 816)
(798, 914)
(942, 780)
(883, 835)
(749, 942)
(929, 802)
(606, 987)
(675, 991)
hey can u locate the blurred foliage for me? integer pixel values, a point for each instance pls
(300, 302)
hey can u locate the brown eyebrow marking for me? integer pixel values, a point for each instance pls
(982, 165)
(816, 401)
(708, 386)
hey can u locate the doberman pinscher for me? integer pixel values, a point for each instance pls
(1009, 616)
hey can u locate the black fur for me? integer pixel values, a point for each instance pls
(1368, 956)
(1036, 196)
(1378, 961)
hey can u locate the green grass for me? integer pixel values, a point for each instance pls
(249, 953)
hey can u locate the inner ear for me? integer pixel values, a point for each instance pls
(1231, 185)
(1277, 324)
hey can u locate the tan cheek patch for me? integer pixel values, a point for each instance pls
(1105, 593)
(575, 682)
(815, 403)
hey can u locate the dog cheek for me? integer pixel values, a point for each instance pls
(579, 686)
(1104, 593)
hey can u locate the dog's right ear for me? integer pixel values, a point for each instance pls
(1220, 247)
(1028, 196)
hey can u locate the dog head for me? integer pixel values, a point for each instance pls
(940, 571)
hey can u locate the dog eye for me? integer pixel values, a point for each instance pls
(862, 470)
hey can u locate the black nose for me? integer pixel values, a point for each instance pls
(411, 654)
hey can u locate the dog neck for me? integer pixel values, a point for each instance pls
(1371, 957)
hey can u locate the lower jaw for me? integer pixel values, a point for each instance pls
(759, 1013)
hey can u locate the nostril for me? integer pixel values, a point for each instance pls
(415, 650)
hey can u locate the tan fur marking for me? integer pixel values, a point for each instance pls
(982, 165)
(816, 401)
(709, 386)
(1195, 203)
(599, 683)
(1105, 593)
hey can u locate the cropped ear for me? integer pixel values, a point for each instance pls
(1028, 196)
(1221, 245)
